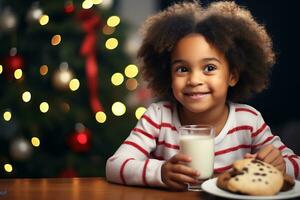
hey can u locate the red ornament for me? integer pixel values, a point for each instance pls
(80, 141)
(11, 64)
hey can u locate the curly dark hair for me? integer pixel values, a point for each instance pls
(227, 26)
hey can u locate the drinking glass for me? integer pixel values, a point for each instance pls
(197, 141)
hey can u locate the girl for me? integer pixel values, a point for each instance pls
(200, 62)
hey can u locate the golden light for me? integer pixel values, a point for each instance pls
(8, 167)
(44, 19)
(107, 30)
(100, 117)
(18, 73)
(74, 84)
(111, 43)
(7, 115)
(35, 141)
(44, 107)
(139, 112)
(118, 108)
(113, 21)
(1, 69)
(43, 70)
(97, 2)
(87, 4)
(117, 79)
(131, 84)
(55, 40)
(26, 96)
(131, 71)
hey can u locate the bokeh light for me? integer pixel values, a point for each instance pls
(100, 117)
(118, 108)
(131, 84)
(18, 73)
(26, 96)
(74, 84)
(117, 79)
(8, 167)
(131, 71)
(43, 70)
(35, 141)
(44, 19)
(55, 40)
(1, 69)
(7, 116)
(107, 30)
(113, 21)
(111, 43)
(139, 112)
(44, 107)
(87, 4)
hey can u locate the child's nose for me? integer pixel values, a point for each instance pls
(195, 78)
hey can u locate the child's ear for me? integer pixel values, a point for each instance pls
(234, 78)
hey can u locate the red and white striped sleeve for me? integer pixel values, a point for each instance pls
(263, 136)
(131, 164)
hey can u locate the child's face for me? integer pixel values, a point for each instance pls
(200, 75)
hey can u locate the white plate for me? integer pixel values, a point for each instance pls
(211, 187)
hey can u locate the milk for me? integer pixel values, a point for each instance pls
(201, 149)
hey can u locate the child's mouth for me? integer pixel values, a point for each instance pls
(196, 95)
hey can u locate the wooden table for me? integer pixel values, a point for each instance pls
(87, 189)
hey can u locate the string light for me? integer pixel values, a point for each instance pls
(131, 71)
(100, 117)
(44, 20)
(111, 43)
(55, 40)
(7, 116)
(43, 70)
(117, 79)
(113, 21)
(74, 84)
(18, 73)
(8, 168)
(44, 107)
(139, 112)
(118, 108)
(1, 69)
(26, 96)
(35, 141)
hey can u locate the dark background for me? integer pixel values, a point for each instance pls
(279, 104)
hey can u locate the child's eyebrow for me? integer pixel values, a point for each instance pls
(177, 61)
(211, 59)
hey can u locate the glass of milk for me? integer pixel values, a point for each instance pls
(197, 141)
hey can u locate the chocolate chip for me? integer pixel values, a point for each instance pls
(245, 169)
(267, 182)
(261, 169)
(259, 179)
(236, 178)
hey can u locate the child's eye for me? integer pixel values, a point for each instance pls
(181, 69)
(209, 68)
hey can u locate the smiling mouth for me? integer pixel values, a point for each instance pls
(196, 95)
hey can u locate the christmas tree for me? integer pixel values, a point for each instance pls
(69, 91)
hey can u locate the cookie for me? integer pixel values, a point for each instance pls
(252, 177)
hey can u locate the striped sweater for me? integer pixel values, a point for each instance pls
(154, 140)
